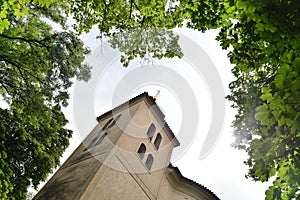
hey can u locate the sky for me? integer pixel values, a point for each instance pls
(221, 169)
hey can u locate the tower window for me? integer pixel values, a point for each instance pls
(111, 122)
(149, 161)
(91, 144)
(141, 151)
(151, 131)
(100, 139)
(96, 141)
(108, 124)
(157, 141)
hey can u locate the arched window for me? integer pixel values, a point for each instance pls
(141, 151)
(149, 161)
(157, 141)
(108, 124)
(111, 122)
(91, 144)
(100, 139)
(96, 141)
(151, 131)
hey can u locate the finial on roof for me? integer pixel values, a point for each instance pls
(155, 97)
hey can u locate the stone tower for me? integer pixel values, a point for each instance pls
(126, 156)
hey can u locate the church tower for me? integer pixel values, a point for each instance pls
(126, 156)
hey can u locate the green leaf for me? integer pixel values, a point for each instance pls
(272, 172)
(263, 115)
(279, 81)
(251, 9)
(260, 27)
(266, 95)
(241, 4)
(296, 64)
(4, 25)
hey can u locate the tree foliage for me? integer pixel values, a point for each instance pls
(146, 43)
(17, 8)
(263, 41)
(37, 66)
(136, 28)
(263, 38)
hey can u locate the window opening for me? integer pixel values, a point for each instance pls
(151, 131)
(111, 122)
(141, 151)
(157, 141)
(149, 161)
(108, 124)
(91, 144)
(96, 141)
(100, 139)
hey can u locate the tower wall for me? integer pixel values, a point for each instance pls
(126, 156)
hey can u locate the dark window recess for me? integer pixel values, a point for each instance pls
(151, 131)
(110, 123)
(141, 151)
(149, 161)
(100, 139)
(96, 141)
(91, 144)
(157, 141)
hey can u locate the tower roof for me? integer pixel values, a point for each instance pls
(83, 174)
(151, 103)
(175, 171)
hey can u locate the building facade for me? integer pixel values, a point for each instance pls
(126, 156)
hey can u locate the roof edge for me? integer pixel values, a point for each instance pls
(192, 182)
(152, 102)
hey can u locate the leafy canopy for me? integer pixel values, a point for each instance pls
(37, 67)
(265, 37)
(136, 28)
(262, 35)
(18, 8)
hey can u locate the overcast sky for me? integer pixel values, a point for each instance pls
(222, 170)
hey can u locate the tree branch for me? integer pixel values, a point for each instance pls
(38, 42)
(130, 12)
(17, 65)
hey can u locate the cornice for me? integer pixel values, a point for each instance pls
(150, 101)
(183, 180)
